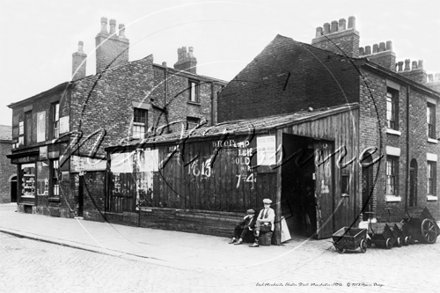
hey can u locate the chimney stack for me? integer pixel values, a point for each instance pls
(337, 38)
(382, 55)
(415, 72)
(111, 49)
(79, 59)
(186, 60)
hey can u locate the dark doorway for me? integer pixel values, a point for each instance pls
(367, 185)
(298, 186)
(413, 183)
(14, 189)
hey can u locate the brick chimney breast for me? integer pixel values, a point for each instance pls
(79, 59)
(337, 38)
(111, 50)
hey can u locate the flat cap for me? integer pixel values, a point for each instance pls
(250, 212)
(266, 200)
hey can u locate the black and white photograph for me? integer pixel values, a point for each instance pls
(219, 146)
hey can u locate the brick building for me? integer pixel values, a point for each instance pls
(8, 177)
(399, 113)
(59, 135)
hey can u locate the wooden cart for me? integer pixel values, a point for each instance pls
(423, 228)
(381, 235)
(348, 238)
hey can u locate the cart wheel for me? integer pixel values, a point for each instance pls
(428, 230)
(340, 250)
(388, 243)
(406, 241)
(363, 246)
(398, 242)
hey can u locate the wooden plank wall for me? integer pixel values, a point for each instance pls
(342, 129)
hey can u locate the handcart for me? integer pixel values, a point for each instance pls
(381, 235)
(348, 238)
(423, 228)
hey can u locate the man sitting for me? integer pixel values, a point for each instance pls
(265, 221)
(244, 229)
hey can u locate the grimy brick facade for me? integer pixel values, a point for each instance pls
(97, 111)
(7, 170)
(289, 76)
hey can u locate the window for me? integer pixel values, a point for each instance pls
(54, 171)
(192, 122)
(392, 175)
(55, 109)
(392, 109)
(21, 133)
(345, 183)
(140, 122)
(28, 180)
(27, 127)
(432, 177)
(194, 91)
(430, 119)
(42, 178)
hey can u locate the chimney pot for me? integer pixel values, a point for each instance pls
(430, 78)
(361, 51)
(164, 64)
(367, 50)
(381, 47)
(80, 46)
(342, 24)
(318, 32)
(400, 64)
(122, 31)
(437, 77)
(334, 27)
(112, 26)
(414, 65)
(352, 22)
(407, 61)
(390, 45)
(420, 65)
(104, 25)
(79, 59)
(375, 48)
(326, 28)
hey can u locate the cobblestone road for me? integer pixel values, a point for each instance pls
(33, 266)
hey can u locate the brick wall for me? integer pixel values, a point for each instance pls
(6, 171)
(288, 76)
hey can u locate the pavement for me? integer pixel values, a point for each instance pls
(162, 247)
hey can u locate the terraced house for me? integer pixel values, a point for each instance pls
(59, 135)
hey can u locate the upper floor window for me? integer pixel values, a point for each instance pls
(392, 165)
(194, 91)
(55, 109)
(392, 109)
(192, 122)
(27, 127)
(140, 123)
(21, 133)
(430, 119)
(432, 177)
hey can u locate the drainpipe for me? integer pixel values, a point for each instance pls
(212, 103)
(408, 92)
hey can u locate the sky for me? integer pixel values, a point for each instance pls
(39, 37)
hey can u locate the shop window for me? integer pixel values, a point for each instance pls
(28, 180)
(140, 123)
(55, 113)
(392, 175)
(432, 178)
(42, 178)
(194, 91)
(430, 117)
(54, 172)
(392, 109)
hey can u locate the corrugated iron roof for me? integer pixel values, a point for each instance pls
(245, 126)
(5, 132)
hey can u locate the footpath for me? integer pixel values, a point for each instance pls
(167, 248)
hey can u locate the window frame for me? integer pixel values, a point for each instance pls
(139, 121)
(27, 128)
(430, 120)
(392, 175)
(193, 91)
(392, 107)
(54, 185)
(431, 178)
(55, 119)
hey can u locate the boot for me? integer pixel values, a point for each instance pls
(255, 244)
(233, 240)
(240, 241)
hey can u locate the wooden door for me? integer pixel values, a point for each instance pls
(324, 192)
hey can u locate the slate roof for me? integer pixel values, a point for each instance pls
(244, 126)
(5, 132)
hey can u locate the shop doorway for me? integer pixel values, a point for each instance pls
(13, 189)
(298, 185)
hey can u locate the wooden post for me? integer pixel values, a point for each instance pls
(279, 142)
